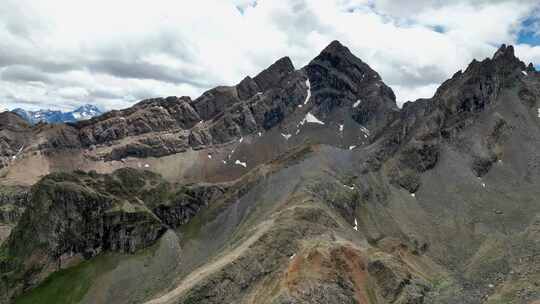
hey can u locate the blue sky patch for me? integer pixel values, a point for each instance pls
(530, 31)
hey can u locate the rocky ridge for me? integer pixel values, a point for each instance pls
(327, 191)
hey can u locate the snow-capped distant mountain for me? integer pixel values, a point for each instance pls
(86, 112)
(54, 116)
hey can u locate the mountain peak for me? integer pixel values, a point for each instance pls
(55, 116)
(339, 79)
(504, 62)
(87, 107)
(86, 111)
(272, 75)
(504, 51)
(12, 120)
(338, 50)
(338, 60)
(505, 58)
(335, 46)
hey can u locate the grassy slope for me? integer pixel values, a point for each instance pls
(69, 285)
(78, 283)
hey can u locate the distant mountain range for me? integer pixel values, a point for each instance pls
(54, 116)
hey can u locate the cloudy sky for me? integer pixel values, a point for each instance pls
(64, 53)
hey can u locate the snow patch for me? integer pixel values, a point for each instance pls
(524, 73)
(483, 185)
(355, 224)
(292, 256)
(286, 136)
(210, 156)
(146, 165)
(225, 162)
(357, 103)
(365, 130)
(241, 139)
(538, 112)
(230, 155)
(243, 164)
(308, 96)
(351, 147)
(312, 119)
(340, 128)
(413, 194)
(260, 134)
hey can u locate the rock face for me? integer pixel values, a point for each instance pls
(152, 115)
(13, 202)
(479, 86)
(78, 215)
(218, 116)
(187, 202)
(396, 284)
(339, 79)
(272, 76)
(14, 133)
(296, 186)
(163, 126)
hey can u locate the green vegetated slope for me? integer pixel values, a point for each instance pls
(68, 285)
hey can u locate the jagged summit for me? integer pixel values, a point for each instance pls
(336, 47)
(271, 76)
(506, 59)
(339, 79)
(503, 61)
(506, 51)
(484, 80)
(336, 62)
(340, 57)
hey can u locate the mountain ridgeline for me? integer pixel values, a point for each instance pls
(50, 116)
(294, 186)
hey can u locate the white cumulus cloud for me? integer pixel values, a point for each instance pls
(62, 53)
